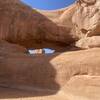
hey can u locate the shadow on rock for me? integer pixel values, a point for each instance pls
(22, 72)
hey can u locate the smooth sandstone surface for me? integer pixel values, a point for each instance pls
(55, 77)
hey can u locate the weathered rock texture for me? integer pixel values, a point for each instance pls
(30, 28)
(87, 18)
(89, 42)
(73, 75)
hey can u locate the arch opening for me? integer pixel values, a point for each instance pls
(41, 51)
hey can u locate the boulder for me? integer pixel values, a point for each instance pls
(88, 42)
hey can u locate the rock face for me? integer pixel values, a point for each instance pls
(87, 18)
(12, 48)
(58, 72)
(89, 42)
(30, 28)
(73, 75)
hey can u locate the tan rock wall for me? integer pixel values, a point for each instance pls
(87, 18)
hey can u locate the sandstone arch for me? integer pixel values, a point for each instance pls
(56, 76)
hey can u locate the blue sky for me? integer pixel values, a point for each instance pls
(48, 4)
(47, 51)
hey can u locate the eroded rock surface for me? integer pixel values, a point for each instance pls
(72, 75)
(52, 73)
(89, 42)
(28, 27)
(87, 18)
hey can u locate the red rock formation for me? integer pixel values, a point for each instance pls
(12, 48)
(25, 26)
(68, 75)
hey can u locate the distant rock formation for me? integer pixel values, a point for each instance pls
(39, 51)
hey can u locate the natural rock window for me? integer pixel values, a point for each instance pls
(41, 51)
